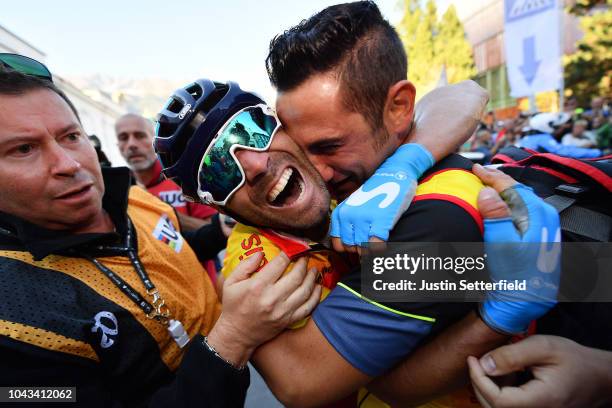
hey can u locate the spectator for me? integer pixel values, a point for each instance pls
(489, 121)
(539, 137)
(604, 134)
(570, 105)
(580, 136)
(482, 144)
(135, 142)
(598, 108)
(508, 136)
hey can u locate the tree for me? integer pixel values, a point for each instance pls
(588, 71)
(431, 45)
(582, 7)
(421, 56)
(452, 49)
(410, 21)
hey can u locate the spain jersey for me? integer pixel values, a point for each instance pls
(246, 241)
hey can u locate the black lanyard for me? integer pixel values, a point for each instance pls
(158, 310)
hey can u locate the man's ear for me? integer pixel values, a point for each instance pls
(399, 108)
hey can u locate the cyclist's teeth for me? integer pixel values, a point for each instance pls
(280, 186)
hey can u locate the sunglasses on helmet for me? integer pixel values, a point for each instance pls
(220, 173)
(25, 65)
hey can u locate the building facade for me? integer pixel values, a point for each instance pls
(485, 31)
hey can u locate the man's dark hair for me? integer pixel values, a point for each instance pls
(352, 39)
(16, 83)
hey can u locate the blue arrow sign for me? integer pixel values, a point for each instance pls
(530, 64)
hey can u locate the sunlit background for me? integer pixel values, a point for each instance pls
(117, 56)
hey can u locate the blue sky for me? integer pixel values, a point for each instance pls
(181, 40)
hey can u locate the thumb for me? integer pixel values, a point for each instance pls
(534, 350)
(378, 244)
(337, 244)
(245, 269)
(491, 205)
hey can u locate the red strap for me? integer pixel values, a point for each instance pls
(555, 173)
(575, 164)
(607, 157)
(499, 157)
(565, 177)
(596, 174)
(530, 150)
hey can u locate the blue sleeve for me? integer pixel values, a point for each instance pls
(370, 336)
(547, 142)
(577, 152)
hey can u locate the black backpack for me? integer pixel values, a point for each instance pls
(581, 191)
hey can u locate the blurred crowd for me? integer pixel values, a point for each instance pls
(580, 132)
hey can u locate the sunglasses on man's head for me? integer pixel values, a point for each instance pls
(25, 65)
(220, 173)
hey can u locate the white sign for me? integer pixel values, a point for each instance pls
(533, 50)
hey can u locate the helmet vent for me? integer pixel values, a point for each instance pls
(175, 106)
(195, 90)
(215, 97)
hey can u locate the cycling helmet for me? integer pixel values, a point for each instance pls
(187, 124)
(547, 122)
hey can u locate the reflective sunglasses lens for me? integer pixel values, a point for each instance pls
(25, 65)
(219, 173)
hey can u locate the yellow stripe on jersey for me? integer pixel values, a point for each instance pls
(455, 182)
(47, 339)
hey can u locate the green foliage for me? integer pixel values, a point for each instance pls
(589, 69)
(452, 50)
(421, 56)
(410, 21)
(582, 7)
(432, 46)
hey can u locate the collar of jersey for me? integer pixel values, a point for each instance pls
(41, 242)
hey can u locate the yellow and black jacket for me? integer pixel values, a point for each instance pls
(64, 323)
